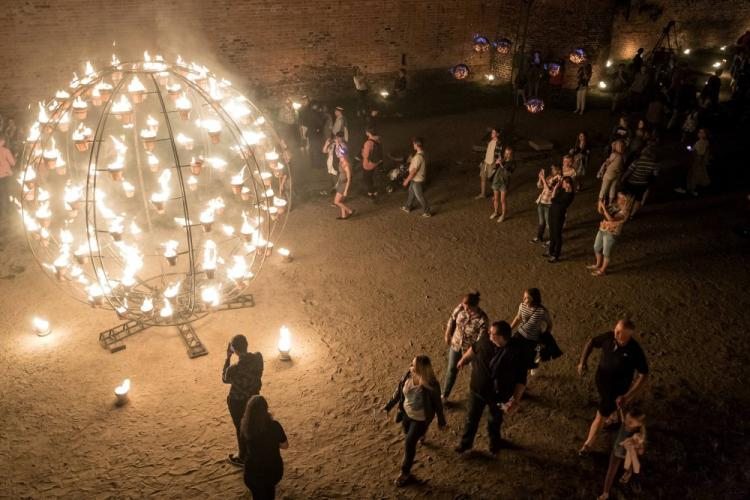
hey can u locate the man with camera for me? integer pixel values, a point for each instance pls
(245, 378)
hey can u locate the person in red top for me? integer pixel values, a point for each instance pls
(7, 162)
(372, 157)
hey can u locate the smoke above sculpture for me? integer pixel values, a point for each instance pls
(154, 189)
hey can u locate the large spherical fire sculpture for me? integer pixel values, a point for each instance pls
(153, 189)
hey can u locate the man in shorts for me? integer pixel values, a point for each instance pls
(621, 374)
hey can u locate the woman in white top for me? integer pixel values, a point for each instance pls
(611, 171)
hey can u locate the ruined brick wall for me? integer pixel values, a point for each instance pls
(700, 24)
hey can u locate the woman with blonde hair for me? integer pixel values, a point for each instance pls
(611, 171)
(418, 399)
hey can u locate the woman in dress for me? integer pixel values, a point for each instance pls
(263, 437)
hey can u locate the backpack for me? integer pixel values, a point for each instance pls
(376, 153)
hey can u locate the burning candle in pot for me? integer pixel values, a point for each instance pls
(193, 183)
(116, 229)
(153, 162)
(209, 258)
(81, 137)
(149, 138)
(136, 90)
(183, 106)
(286, 255)
(80, 108)
(96, 97)
(236, 183)
(44, 215)
(64, 123)
(123, 110)
(60, 166)
(147, 306)
(158, 200)
(170, 252)
(96, 294)
(218, 205)
(196, 164)
(213, 127)
(128, 188)
(72, 199)
(121, 392)
(272, 157)
(210, 295)
(116, 167)
(61, 264)
(245, 194)
(166, 311)
(40, 326)
(280, 204)
(105, 90)
(50, 155)
(174, 91)
(185, 141)
(267, 178)
(207, 219)
(285, 343)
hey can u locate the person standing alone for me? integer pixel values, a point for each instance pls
(245, 378)
(487, 167)
(415, 180)
(7, 162)
(372, 157)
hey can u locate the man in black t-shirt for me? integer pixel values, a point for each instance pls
(498, 379)
(621, 373)
(245, 377)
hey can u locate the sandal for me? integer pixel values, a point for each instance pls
(592, 267)
(597, 273)
(584, 451)
(603, 496)
(625, 479)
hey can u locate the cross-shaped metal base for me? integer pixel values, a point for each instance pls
(113, 338)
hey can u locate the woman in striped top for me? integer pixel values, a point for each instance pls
(531, 321)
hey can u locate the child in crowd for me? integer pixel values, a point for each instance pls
(629, 444)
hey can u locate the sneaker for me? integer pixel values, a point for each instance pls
(680, 190)
(426, 214)
(494, 215)
(532, 372)
(535, 240)
(235, 460)
(546, 243)
(479, 196)
(404, 209)
(553, 260)
(501, 218)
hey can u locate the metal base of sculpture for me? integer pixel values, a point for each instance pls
(113, 339)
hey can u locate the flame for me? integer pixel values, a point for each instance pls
(171, 291)
(128, 187)
(239, 270)
(170, 248)
(148, 305)
(115, 60)
(136, 85)
(79, 103)
(207, 216)
(122, 105)
(183, 103)
(81, 133)
(252, 138)
(40, 326)
(166, 310)
(148, 133)
(210, 295)
(285, 340)
(134, 229)
(152, 159)
(89, 69)
(34, 133)
(228, 230)
(62, 95)
(217, 163)
(209, 255)
(123, 388)
(152, 122)
(43, 118)
(182, 138)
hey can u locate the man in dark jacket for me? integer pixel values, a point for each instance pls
(245, 377)
(498, 379)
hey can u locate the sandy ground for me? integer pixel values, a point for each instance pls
(362, 298)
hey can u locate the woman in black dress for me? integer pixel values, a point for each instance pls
(264, 437)
(561, 200)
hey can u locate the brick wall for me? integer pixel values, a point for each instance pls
(700, 24)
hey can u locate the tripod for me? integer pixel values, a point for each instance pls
(664, 45)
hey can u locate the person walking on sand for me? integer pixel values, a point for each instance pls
(561, 200)
(506, 165)
(488, 165)
(466, 324)
(372, 157)
(620, 376)
(498, 380)
(416, 178)
(245, 379)
(532, 319)
(263, 438)
(418, 399)
(345, 177)
(629, 444)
